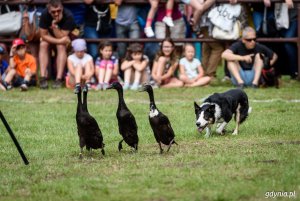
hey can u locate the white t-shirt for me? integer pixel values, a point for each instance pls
(190, 67)
(75, 60)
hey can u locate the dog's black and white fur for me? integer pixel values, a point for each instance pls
(219, 108)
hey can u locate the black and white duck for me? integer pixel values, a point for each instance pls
(160, 124)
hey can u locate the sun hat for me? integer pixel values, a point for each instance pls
(79, 44)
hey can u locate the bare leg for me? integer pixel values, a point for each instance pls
(78, 73)
(258, 65)
(127, 75)
(200, 82)
(234, 67)
(61, 60)
(10, 75)
(44, 58)
(108, 75)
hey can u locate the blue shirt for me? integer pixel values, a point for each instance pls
(3, 66)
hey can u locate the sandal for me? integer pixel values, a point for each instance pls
(196, 29)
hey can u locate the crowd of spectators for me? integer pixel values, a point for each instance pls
(52, 46)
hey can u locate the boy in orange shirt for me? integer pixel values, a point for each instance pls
(22, 67)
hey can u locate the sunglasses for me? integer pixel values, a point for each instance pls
(250, 39)
(55, 11)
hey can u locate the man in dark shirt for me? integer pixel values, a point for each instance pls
(243, 62)
(56, 23)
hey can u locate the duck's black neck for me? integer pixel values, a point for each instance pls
(79, 102)
(151, 97)
(121, 99)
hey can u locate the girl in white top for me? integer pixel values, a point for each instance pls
(191, 71)
(80, 65)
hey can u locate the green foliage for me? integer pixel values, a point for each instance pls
(263, 157)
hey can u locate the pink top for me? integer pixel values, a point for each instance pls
(161, 12)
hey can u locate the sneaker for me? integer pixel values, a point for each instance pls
(149, 32)
(57, 84)
(105, 85)
(134, 87)
(240, 86)
(226, 78)
(24, 87)
(126, 86)
(89, 86)
(99, 87)
(9, 87)
(254, 86)
(168, 21)
(44, 83)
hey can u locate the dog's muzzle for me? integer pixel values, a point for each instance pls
(199, 127)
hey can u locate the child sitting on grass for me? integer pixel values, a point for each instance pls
(80, 66)
(106, 65)
(135, 67)
(22, 67)
(191, 71)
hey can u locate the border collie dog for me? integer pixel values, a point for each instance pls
(219, 108)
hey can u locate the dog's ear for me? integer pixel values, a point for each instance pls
(197, 108)
(262, 56)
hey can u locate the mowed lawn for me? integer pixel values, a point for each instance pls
(263, 158)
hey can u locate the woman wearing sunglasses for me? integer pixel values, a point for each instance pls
(243, 61)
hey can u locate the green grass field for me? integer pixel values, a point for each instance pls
(263, 158)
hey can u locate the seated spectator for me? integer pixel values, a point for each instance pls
(3, 67)
(191, 71)
(106, 65)
(22, 67)
(56, 23)
(135, 67)
(80, 66)
(165, 66)
(243, 62)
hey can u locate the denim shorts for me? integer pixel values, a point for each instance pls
(246, 75)
(186, 1)
(18, 81)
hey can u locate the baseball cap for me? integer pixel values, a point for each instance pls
(17, 42)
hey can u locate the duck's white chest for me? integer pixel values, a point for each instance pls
(153, 113)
